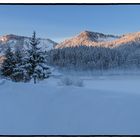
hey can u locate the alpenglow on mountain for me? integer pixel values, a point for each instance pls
(86, 38)
(22, 41)
(94, 39)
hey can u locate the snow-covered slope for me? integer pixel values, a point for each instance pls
(88, 38)
(23, 42)
(104, 105)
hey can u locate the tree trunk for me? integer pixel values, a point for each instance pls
(34, 80)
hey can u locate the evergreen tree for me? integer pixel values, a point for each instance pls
(36, 62)
(8, 63)
(19, 71)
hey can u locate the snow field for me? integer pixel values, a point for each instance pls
(103, 105)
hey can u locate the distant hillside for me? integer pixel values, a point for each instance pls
(23, 42)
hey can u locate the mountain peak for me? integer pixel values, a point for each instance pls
(87, 38)
(86, 32)
(95, 36)
(7, 37)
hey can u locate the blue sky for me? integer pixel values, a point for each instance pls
(58, 22)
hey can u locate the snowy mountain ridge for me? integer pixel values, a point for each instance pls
(88, 38)
(23, 42)
(95, 36)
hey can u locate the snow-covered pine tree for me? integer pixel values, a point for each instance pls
(19, 71)
(8, 63)
(37, 65)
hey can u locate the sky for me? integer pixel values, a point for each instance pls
(59, 22)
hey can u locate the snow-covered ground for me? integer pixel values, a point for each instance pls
(103, 105)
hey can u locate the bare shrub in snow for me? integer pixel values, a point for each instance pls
(66, 81)
(79, 83)
(71, 81)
